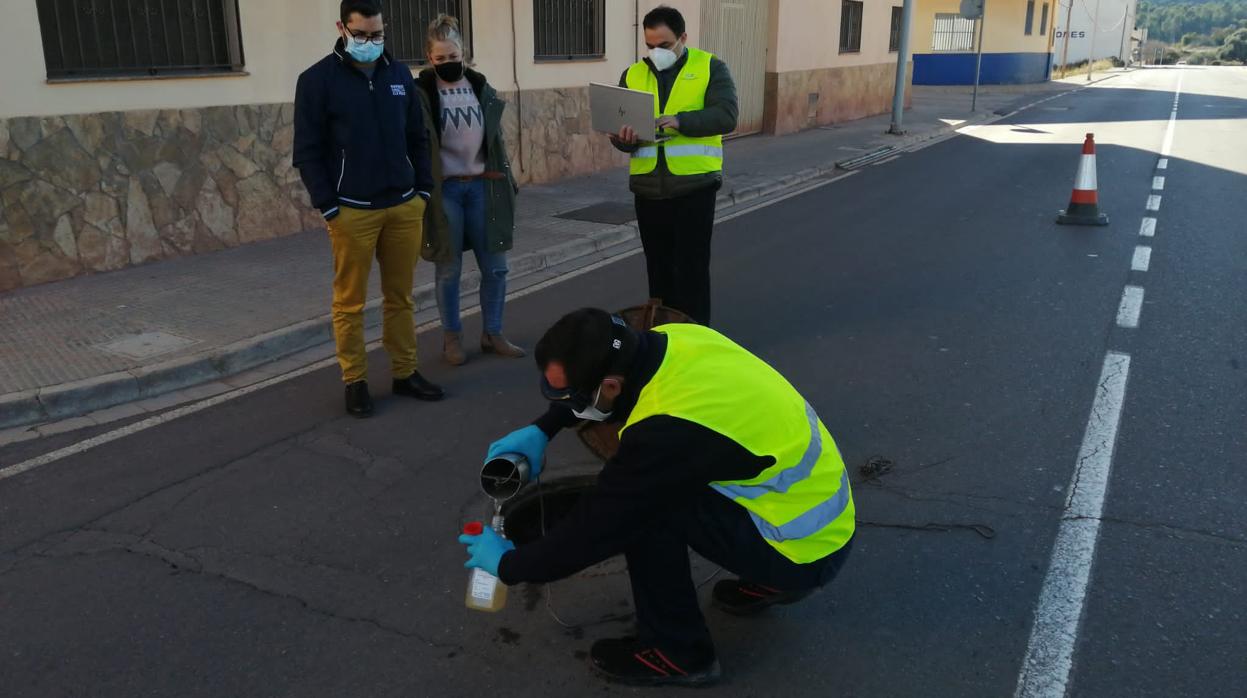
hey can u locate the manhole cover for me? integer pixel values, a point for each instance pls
(611, 212)
(146, 345)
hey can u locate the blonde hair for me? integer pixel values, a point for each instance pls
(445, 28)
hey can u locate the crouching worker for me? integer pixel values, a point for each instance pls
(718, 453)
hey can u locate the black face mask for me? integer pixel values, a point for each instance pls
(449, 72)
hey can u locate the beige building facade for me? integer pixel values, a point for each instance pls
(830, 64)
(128, 136)
(1016, 38)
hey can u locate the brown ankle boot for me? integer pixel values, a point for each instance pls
(497, 344)
(452, 349)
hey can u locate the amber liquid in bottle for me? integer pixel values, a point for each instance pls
(485, 591)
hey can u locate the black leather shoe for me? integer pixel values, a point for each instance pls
(416, 386)
(358, 401)
(628, 661)
(741, 598)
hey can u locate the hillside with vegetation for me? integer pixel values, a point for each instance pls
(1198, 32)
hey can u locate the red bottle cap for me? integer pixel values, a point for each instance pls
(474, 528)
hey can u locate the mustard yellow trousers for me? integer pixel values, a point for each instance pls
(394, 236)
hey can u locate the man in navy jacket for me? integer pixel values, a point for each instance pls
(360, 146)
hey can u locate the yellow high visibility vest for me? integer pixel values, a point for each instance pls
(685, 155)
(802, 505)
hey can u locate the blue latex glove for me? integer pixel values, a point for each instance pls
(486, 550)
(530, 441)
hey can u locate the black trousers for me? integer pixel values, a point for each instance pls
(721, 531)
(675, 234)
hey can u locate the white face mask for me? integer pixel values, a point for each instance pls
(592, 413)
(664, 58)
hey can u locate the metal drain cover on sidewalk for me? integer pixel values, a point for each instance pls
(146, 345)
(610, 212)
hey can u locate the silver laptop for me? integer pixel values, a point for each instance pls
(614, 107)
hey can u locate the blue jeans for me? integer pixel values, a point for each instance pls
(464, 203)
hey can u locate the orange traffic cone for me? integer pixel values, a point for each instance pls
(1084, 204)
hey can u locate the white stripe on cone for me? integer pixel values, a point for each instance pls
(1085, 180)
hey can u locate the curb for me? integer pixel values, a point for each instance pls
(101, 392)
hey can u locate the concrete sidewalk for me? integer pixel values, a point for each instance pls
(96, 349)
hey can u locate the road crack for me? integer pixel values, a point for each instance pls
(1177, 532)
(192, 561)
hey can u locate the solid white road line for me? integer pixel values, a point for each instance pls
(1167, 146)
(1058, 615)
(1131, 307)
(1050, 652)
(157, 420)
(186, 410)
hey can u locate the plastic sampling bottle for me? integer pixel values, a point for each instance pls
(485, 591)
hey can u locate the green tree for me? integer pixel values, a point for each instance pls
(1235, 47)
(1169, 20)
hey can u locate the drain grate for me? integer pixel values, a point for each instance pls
(868, 158)
(610, 212)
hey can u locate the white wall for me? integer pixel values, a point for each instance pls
(281, 38)
(1095, 25)
(806, 35)
(492, 47)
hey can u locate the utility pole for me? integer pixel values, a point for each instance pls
(1123, 47)
(978, 61)
(902, 61)
(1069, 11)
(1095, 29)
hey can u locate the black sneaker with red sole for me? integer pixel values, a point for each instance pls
(741, 598)
(629, 661)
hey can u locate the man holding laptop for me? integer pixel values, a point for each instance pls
(676, 172)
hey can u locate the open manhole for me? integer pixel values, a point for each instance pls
(609, 212)
(555, 498)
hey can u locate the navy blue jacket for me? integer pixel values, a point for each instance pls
(358, 141)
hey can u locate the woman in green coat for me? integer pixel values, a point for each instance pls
(473, 202)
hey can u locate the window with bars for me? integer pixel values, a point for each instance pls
(894, 35)
(407, 25)
(1030, 17)
(127, 38)
(952, 33)
(565, 30)
(850, 26)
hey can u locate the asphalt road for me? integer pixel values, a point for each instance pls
(930, 310)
